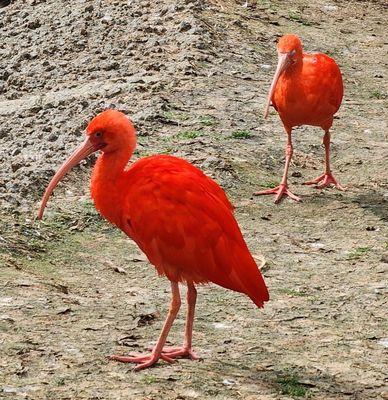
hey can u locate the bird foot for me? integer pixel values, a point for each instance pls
(144, 360)
(180, 352)
(325, 180)
(279, 191)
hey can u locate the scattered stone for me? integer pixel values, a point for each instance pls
(184, 26)
(383, 342)
(330, 7)
(229, 382)
(296, 174)
(4, 3)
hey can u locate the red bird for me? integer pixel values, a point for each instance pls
(306, 90)
(180, 218)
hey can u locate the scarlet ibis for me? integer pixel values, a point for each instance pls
(180, 218)
(306, 90)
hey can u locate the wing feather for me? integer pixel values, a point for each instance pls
(187, 229)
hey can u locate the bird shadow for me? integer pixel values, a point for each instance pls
(373, 202)
(323, 198)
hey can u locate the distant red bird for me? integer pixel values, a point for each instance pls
(179, 217)
(306, 90)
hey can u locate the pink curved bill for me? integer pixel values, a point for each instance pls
(84, 150)
(283, 62)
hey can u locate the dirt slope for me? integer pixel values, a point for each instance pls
(194, 76)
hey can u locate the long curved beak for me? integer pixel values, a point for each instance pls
(283, 62)
(84, 150)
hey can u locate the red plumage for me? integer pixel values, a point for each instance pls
(306, 89)
(183, 222)
(179, 217)
(310, 93)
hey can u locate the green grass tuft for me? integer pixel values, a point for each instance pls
(297, 18)
(176, 116)
(149, 379)
(290, 386)
(378, 95)
(207, 120)
(188, 134)
(241, 135)
(358, 252)
(60, 381)
(168, 150)
(268, 185)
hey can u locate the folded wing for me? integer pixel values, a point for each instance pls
(187, 228)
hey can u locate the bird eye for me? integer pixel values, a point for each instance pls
(98, 134)
(292, 52)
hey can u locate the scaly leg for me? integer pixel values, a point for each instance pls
(186, 349)
(282, 189)
(147, 360)
(327, 178)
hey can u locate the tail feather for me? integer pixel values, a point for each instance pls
(251, 281)
(244, 275)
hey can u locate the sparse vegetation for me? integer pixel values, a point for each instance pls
(357, 253)
(149, 379)
(290, 386)
(268, 184)
(168, 150)
(64, 306)
(241, 135)
(60, 381)
(376, 94)
(272, 6)
(174, 115)
(297, 18)
(188, 134)
(207, 121)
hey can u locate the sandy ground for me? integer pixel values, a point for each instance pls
(194, 76)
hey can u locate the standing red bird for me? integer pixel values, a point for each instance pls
(306, 90)
(180, 218)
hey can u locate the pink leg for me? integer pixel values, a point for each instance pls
(147, 360)
(282, 189)
(186, 349)
(327, 178)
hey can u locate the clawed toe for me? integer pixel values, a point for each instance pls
(279, 192)
(144, 360)
(324, 181)
(179, 352)
(168, 354)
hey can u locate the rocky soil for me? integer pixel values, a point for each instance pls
(193, 76)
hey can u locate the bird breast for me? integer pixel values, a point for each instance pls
(309, 94)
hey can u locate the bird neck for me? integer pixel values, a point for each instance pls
(295, 67)
(106, 183)
(110, 166)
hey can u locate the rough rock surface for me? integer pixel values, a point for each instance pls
(193, 75)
